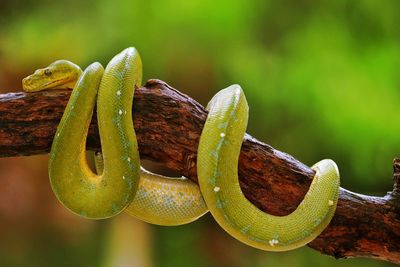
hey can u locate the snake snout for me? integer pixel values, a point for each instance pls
(27, 83)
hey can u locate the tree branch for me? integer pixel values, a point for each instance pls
(168, 126)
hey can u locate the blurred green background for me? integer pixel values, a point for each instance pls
(321, 78)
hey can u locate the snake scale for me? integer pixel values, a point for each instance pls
(120, 184)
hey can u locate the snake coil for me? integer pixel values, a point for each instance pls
(121, 184)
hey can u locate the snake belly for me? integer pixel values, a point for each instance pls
(167, 201)
(163, 200)
(217, 168)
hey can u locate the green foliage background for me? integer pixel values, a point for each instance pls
(321, 78)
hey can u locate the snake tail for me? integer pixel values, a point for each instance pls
(217, 168)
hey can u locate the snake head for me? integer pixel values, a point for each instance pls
(60, 74)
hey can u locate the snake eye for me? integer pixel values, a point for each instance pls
(47, 72)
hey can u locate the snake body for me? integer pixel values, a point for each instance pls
(218, 155)
(120, 184)
(153, 198)
(75, 185)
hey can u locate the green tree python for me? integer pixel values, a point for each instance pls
(121, 184)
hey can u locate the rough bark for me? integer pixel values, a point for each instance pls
(168, 126)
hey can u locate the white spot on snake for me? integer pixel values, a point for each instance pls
(120, 112)
(216, 189)
(119, 92)
(273, 242)
(222, 134)
(330, 203)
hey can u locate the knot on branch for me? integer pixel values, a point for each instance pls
(393, 197)
(396, 178)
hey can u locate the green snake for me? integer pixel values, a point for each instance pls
(121, 184)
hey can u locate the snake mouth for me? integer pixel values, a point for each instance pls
(55, 82)
(30, 84)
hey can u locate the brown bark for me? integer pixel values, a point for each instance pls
(168, 125)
